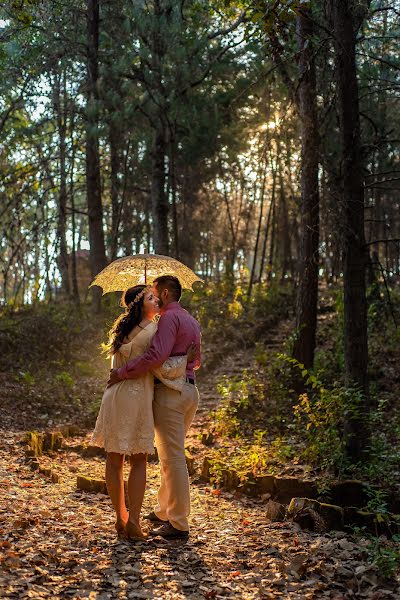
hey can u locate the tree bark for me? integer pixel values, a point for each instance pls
(272, 240)
(60, 110)
(74, 274)
(355, 304)
(159, 199)
(115, 164)
(307, 293)
(269, 217)
(93, 182)
(258, 234)
(173, 187)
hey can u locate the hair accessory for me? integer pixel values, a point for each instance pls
(138, 297)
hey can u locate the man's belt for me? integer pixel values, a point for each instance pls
(188, 380)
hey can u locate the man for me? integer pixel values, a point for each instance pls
(173, 410)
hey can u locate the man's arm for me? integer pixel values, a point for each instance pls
(159, 351)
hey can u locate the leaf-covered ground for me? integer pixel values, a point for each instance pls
(58, 542)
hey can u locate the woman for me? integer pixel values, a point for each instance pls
(125, 423)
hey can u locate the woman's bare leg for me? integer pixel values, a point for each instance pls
(115, 486)
(136, 488)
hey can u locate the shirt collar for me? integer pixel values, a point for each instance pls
(170, 306)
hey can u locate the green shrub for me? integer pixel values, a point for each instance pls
(321, 413)
(85, 368)
(241, 396)
(385, 555)
(65, 379)
(27, 377)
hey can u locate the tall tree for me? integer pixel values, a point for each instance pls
(60, 97)
(93, 181)
(345, 27)
(307, 294)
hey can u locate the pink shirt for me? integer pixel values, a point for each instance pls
(177, 329)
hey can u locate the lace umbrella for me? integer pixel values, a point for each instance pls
(128, 271)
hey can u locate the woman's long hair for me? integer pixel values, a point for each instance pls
(124, 324)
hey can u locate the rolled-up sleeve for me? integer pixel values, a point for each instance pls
(159, 351)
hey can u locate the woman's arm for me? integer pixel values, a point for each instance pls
(175, 366)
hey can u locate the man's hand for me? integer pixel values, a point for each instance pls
(191, 352)
(113, 378)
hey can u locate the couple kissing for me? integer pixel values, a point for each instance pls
(151, 393)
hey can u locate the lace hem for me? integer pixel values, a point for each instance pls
(144, 446)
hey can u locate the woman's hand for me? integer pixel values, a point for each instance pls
(191, 352)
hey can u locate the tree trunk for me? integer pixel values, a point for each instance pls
(272, 240)
(258, 234)
(173, 187)
(60, 110)
(355, 305)
(115, 162)
(267, 227)
(159, 199)
(74, 274)
(93, 183)
(307, 293)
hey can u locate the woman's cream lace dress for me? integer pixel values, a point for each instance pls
(125, 420)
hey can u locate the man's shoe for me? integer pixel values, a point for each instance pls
(153, 518)
(169, 532)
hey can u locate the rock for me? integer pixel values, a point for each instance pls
(35, 442)
(55, 477)
(230, 479)
(349, 492)
(94, 486)
(34, 464)
(52, 440)
(46, 471)
(374, 523)
(73, 430)
(288, 487)
(207, 438)
(64, 430)
(316, 516)
(265, 484)
(274, 511)
(205, 469)
(190, 463)
(92, 451)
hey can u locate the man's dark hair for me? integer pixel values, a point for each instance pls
(170, 283)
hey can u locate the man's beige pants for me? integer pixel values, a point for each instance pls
(173, 415)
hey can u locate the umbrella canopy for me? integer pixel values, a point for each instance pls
(128, 271)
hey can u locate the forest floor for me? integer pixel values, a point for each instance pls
(59, 542)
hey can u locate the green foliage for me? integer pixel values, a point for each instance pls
(65, 379)
(377, 503)
(240, 396)
(85, 368)
(256, 456)
(385, 555)
(27, 377)
(321, 413)
(383, 462)
(227, 303)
